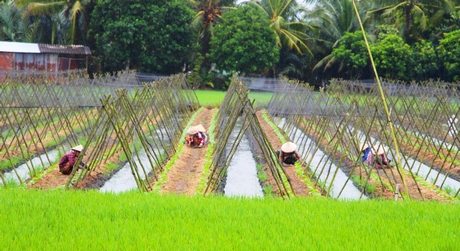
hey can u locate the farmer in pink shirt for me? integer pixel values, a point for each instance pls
(68, 160)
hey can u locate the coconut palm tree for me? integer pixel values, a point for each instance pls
(73, 10)
(10, 22)
(290, 32)
(208, 14)
(331, 19)
(16, 29)
(410, 11)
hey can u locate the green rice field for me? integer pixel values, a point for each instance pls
(60, 219)
(77, 220)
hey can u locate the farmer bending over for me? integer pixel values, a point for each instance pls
(288, 154)
(196, 136)
(381, 160)
(368, 154)
(68, 160)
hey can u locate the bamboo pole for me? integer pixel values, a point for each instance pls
(395, 142)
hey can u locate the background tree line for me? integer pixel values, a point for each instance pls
(310, 40)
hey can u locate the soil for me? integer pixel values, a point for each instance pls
(387, 175)
(297, 184)
(184, 175)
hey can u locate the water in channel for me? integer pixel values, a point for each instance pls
(242, 178)
(123, 180)
(417, 167)
(22, 171)
(340, 185)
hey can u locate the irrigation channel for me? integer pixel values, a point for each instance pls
(241, 179)
(115, 118)
(337, 183)
(423, 115)
(416, 167)
(133, 130)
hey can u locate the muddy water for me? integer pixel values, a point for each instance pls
(242, 173)
(22, 171)
(323, 168)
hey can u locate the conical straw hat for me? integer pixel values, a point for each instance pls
(288, 147)
(195, 129)
(78, 148)
(380, 150)
(200, 128)
(191, 130)
(363, 146)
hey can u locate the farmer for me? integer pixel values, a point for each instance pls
(196, 136)
(288, 154)
(368, 154)
(381, 161)
(68, 160)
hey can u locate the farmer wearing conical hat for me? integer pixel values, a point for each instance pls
(68, 160)
(368, 154)
(288, 154)
(196, 136)
(381, 160)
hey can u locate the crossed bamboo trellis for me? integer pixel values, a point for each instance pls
(349, 113)
(109, 115)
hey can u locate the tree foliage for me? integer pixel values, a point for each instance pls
(449, 52)
(352, 54)
(393, 58)
(152, 36)
(244, 42)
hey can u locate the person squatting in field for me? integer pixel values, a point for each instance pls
(67, 161)
(288, 154)
(379, 159)
(196, 136)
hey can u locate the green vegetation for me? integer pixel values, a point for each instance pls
(211, 98)
(40, 220)
(149, 37)
(363, 183)
(244, 42)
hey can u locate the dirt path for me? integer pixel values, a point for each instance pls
(184, 175)
(298, 185)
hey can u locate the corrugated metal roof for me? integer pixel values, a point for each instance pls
(43, 48)
(64, 49)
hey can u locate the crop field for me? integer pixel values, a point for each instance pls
(133, 137)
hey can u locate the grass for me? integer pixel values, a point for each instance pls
(90, 220)
(214, 98)
(362, 182)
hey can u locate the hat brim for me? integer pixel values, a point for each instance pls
(200, 128)
(78, 148)
(195, 129)
(363, 146)
(288, 147)
(380, 150)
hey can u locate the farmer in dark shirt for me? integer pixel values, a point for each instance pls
(288, 154)
(68, 160)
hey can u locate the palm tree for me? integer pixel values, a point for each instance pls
(208, 14)
(14, 28)
(73, 10)
(290, 32)
(331, 19)
(408, 9)
(10, 22)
